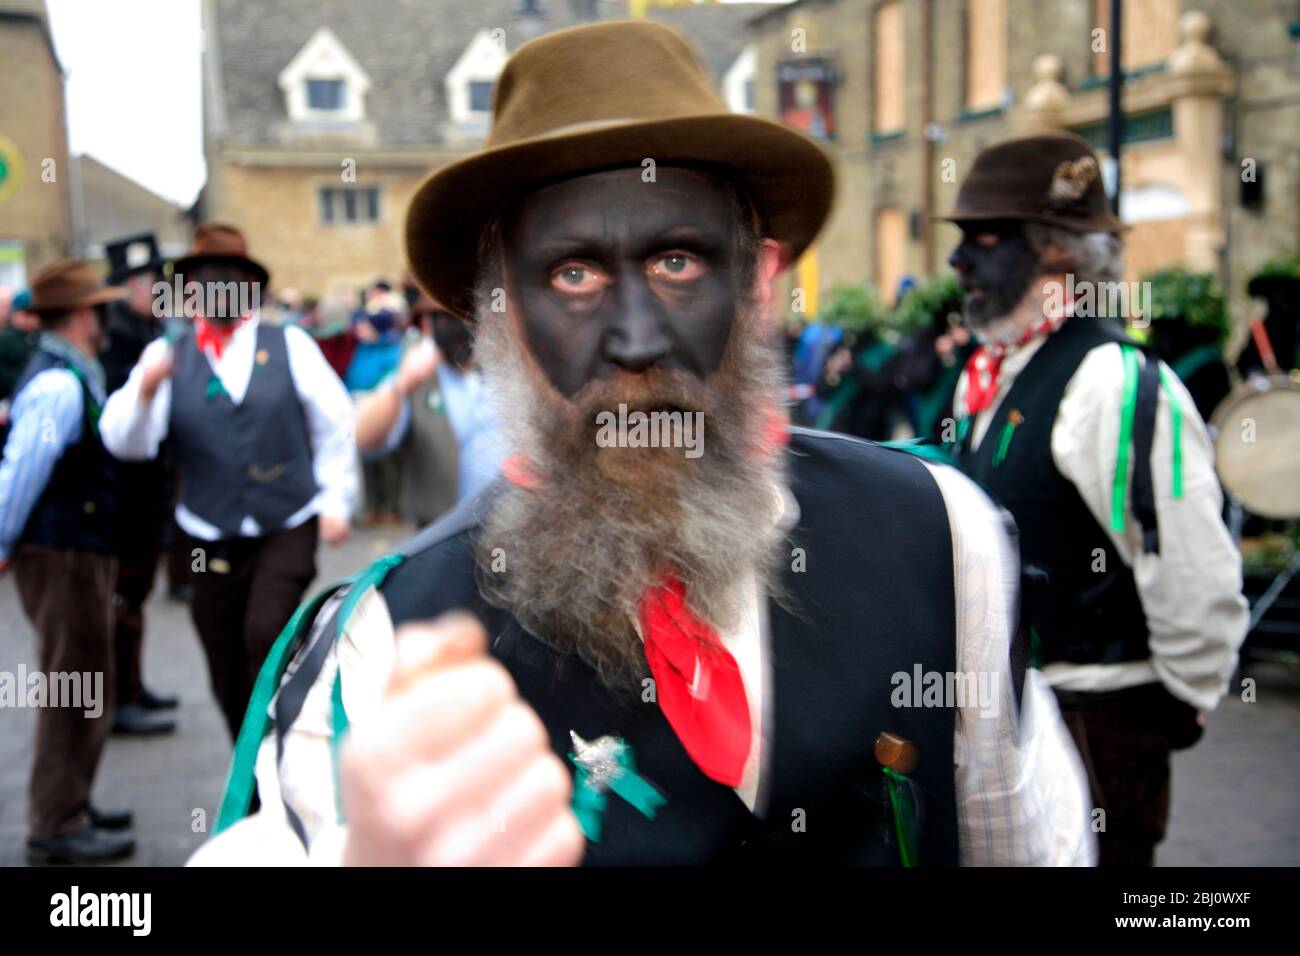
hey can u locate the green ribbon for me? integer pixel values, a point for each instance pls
(900, 801)
(1119, 490)
(1004, 443)
(589, 800)
(1176, 424)
(215, 388)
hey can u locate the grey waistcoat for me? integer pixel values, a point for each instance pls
(251, 459)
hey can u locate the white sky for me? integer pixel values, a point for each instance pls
(134, 88)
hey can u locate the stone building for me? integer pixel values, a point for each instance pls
(322, 116)
(1210, 166)
(36, 218)
(112, 205)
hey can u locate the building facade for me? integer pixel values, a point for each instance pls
(36, 214)
(321, 117)
(1210, 168)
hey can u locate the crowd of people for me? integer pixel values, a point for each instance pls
(713, 642)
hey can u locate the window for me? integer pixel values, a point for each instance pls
(325, 94)
(1150, 34)
(986, 53)
(349, 204)
(750, 91)
(480, 95)
(887, 23)
(891, 251)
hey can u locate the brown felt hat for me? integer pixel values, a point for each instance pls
(216, 242)
(70, 284)
(598, 97)
(1052, 178)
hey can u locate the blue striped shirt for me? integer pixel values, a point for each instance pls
(46, 418)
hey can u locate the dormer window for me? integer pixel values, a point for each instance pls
(470, 80)
(324, 83)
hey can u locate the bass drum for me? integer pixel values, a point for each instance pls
(1257, 445)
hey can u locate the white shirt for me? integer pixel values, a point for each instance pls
(1022, 796)
(1190, 591)
(133, 429)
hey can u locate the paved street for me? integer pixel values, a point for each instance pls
(1234, 794)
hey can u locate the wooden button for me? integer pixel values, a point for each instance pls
(894, 752)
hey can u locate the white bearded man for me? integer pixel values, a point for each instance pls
(668, 658)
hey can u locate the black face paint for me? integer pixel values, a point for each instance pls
(615, 274)
(996, 265)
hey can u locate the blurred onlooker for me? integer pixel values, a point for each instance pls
(932, 354)
(856, 386)
(18, 341)
(333, 334)
(289, 307)
(433, 409)
(378, 326)
(144, 487)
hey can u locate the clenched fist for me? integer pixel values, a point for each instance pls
(453, 769)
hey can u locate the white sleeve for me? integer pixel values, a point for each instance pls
(331, 423)
(131, 428)
(303, 779)
(1191, 590)
(1022, 793)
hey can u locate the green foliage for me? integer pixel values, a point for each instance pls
(1286, 267)
(855, 309)
(931, 297)
(1191, 297)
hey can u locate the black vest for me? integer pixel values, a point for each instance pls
(876, 598)
(253, 458)
(1078, 614)
(75, 511)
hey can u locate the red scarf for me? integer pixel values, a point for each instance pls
(697, 682)
(211, 335)
(984, 367)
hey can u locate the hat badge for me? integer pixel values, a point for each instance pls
(1072, 179)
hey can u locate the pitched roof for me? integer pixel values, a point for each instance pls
(406, 47)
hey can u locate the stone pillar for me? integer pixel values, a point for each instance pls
(1199, 81)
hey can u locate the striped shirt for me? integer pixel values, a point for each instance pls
(46, 420)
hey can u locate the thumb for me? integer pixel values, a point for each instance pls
(455, 638)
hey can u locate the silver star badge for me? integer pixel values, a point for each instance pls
(599, 759)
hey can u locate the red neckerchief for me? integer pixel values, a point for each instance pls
(697, 682)
(984, 367)
(210, 335)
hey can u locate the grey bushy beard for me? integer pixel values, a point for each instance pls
(581, 547)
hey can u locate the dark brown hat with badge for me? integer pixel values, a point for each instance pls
(598, 97)
(1052, 178)
(218, 243)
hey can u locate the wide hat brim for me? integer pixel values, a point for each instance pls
(1029, 213)
(787, 177)
(97, 297)
(182, 265)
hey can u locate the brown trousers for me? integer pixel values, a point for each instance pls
(246, 592)
(1125, 750)
(68, 597)
(137, 566)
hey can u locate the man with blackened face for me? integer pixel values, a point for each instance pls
(1097, 451)
(674, 623)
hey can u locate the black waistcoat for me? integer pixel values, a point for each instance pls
(1079, 613)
(875, 599)
(253, 458)
(75, 511)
